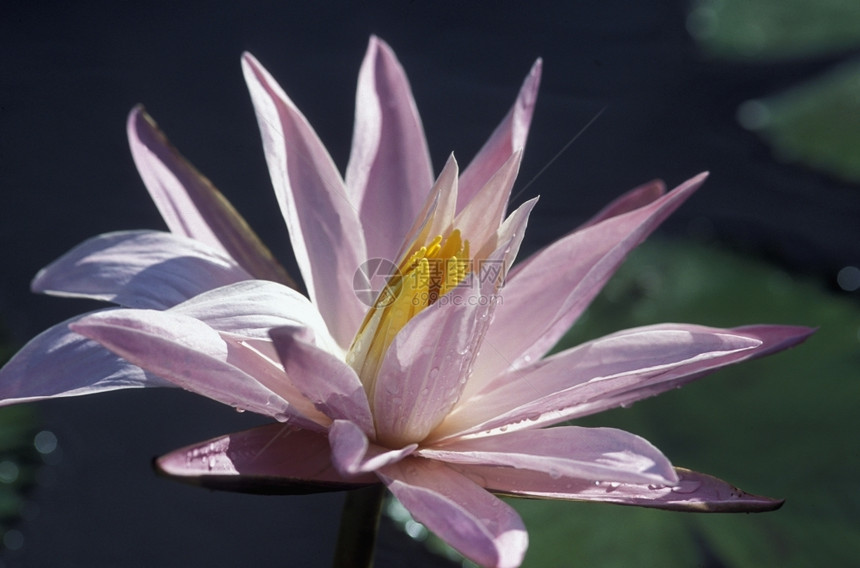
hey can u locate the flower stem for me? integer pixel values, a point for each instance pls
(358, 526)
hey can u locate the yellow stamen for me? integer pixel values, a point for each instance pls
(425, 276)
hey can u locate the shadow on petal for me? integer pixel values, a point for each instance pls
(276, 459)
(694, 493)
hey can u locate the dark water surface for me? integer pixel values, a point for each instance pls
(72, 71)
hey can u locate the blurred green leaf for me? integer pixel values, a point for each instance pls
(783, 426)
(19, 459)
(769, 30)
(816, 123)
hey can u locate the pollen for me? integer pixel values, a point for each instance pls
(423, 277)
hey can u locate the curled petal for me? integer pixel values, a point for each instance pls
(276, 459)
(322, 221)
(259, 360)
(329, 383)
(694, 492)
(389, 170)
(478, 525)
(189, 203)
(138, 269)
(352, 453)
(251, 308)
(59, 362)
(567, 451)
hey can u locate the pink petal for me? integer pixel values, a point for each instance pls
(636, 198)
(243, 314)
(775, 338)
(251, 308)
(480, 218)
(573, 452)
(138, 269)
(257, 359)
(59, 362)
(426, 367)
(545, 294)
(184, 351)
(615, 370)
(694, 492)
(443, 195)
(323, 223)
(329, 383)
(508, 137)
(389, 171)
(422, 374)
(271, 459)
(478, 525)
(495, 269)
(512, 231)
(352, 453)
(189, 203)
(436, 213)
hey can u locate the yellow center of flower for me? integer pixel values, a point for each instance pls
(422, 278)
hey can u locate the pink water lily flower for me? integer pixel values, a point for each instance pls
(438, 386)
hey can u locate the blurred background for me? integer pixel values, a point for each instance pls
(764, 94)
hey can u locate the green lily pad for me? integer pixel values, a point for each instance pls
(816, 123)
(770, 30)
(782, 426)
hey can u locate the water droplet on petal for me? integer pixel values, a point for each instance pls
(415, 530)
(686, 487)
